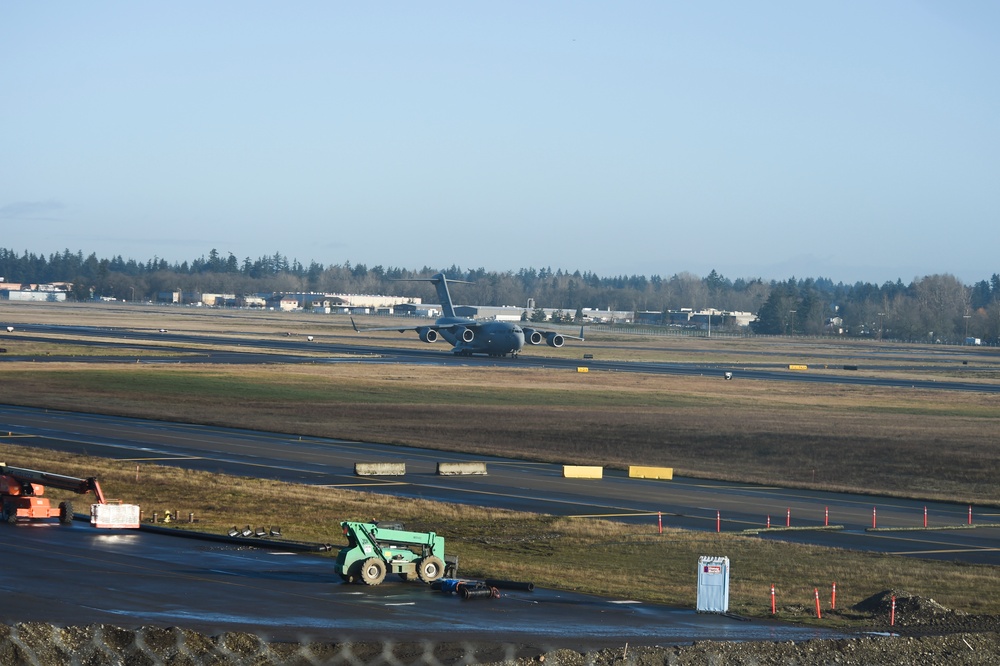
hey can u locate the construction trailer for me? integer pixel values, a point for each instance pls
(22, 498)
(375, 550)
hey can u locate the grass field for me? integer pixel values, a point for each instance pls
(935, 445)
(930, 444)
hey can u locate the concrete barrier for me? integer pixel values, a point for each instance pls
(456, 468)
(582, 369)
(583, 472)
(380, 469)
(639, 472)
(122, 516)
(797, 366)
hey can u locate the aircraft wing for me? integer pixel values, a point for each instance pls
(534, 336)
(459, 331)
(422, 328)
(401, 329)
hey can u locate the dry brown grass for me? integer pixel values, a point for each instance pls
(930, 444)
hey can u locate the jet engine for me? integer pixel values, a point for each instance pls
(427, 334)
(532, 337)
(554, 340)
(465, 334)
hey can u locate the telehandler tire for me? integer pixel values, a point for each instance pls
(66, 513)
(430, 569)
(372, 571)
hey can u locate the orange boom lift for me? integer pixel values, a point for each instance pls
(22, 494)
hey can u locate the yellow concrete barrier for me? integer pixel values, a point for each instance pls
(639, 472)
(582, 369)
(798, 367)
(583, 472)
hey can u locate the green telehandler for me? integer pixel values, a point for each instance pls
(374, 550)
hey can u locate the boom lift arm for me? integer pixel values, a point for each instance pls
(46, 479)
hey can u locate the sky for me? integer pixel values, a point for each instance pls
(853, 140)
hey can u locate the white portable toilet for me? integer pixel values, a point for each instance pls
(713, 584)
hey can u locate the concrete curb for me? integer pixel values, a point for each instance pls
(930, 529)
(296, 546)
(821, 528)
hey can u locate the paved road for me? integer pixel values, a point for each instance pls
(75, 575)
(525, 486)
(294, 350)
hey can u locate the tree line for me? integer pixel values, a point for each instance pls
(932, 308)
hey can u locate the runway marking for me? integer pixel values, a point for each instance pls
(625, 601)
(162, 458)
(944, 550)
(717, 487)
(616, 515)
(360, 485)
(524, 497)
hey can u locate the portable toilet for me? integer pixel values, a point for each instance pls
(713, 584)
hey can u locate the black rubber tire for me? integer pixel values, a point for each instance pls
(66, 513)
(372, 571)
(430, 569)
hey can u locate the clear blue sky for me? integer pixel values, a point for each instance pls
(851, 140)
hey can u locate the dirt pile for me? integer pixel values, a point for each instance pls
(915, 615)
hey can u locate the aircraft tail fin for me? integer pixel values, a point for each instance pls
(440, 283)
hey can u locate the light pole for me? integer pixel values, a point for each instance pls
(791, 321)
(880, 315)
(966, 318)
(133, 293)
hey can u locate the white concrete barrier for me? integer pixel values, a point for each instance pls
(121, 516)
(583, 472)
(456, 468)
(380, 469)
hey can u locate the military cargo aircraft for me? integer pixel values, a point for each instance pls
(469, 336)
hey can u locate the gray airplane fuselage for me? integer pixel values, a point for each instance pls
(493, 338)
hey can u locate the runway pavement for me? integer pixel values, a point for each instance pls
(684, 502)
(76, 575)
(295, 349)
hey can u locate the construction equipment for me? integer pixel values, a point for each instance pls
(374, 550)
(22, 498)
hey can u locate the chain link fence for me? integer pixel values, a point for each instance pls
(39, 644)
